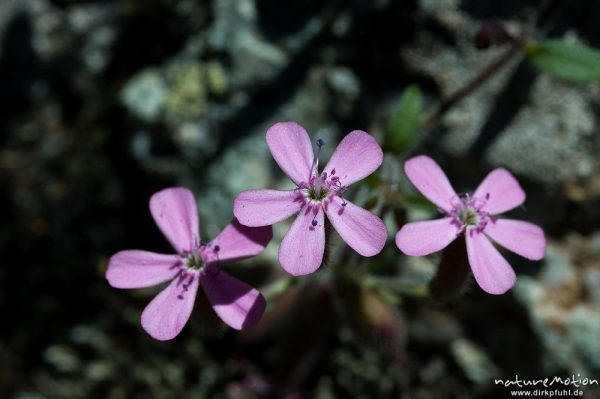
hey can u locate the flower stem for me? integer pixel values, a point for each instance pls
(489, 71)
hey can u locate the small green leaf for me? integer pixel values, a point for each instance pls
(575, 62)
(401, 130)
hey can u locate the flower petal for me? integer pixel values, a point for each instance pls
(301, 250)
(265, 207)
(174, 211)
(237, 304)
(356, 157)
(492, 272)
(523, 238)
(292, 150)
(430, 180)
(362, 230)
(427, 237)
(501, 191)
(237, 241)
(168, 312)
(137, 269)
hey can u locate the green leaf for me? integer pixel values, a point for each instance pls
(401, 130)
(574, 62)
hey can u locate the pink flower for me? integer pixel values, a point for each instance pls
(236, 303)
(475, 216)
(317, 194)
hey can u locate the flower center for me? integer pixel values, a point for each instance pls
(200, 259)
(467, 212)
(469, 216)
(321, 186)
(317, 191)
(194, 261)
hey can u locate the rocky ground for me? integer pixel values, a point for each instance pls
(103, 103)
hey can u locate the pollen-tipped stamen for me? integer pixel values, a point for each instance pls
(314, 169)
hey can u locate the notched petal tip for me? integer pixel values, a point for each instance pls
(236, 303)
(429, 178)
(175, 212)
(283, 128)
(499, 288)
(291, 148)
(356, 157)
(501, 191)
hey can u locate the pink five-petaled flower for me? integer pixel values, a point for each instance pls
(475, 216)
(301, 251)
(236, 303)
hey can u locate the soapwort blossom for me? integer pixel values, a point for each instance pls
(475, 216)
(195, 263)
(316, 194)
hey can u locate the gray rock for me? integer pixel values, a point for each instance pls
(62, 358)
(551, 138)
(145, 95)
(474, 362)
(566, 321)
(583, 331)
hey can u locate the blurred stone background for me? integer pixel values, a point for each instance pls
(103, 103)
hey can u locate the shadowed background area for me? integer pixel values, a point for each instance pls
(103, 103)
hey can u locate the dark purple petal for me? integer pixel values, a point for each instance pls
(235, 302)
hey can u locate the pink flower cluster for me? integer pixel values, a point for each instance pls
(318, 194)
